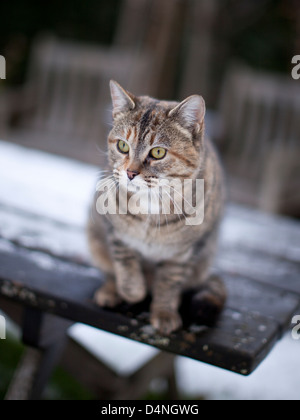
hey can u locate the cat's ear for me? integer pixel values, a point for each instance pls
(122, 100)
(190, 112)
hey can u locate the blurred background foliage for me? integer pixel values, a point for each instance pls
(61, 386)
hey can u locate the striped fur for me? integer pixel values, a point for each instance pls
(158, 253)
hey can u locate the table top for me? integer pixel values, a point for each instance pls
(45, 264)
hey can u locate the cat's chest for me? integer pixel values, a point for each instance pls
(154, 245)
(153, 251)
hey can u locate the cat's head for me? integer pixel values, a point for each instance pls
(153, 140)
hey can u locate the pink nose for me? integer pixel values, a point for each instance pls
(132, 174)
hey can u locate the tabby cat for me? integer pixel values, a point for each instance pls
(159, 254)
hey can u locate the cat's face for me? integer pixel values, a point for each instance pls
(154, 140)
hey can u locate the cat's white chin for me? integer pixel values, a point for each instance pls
(137, 186)
(131, 187)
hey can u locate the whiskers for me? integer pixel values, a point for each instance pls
(101, 152)
(107, 182)
(170, 202)
(117, 174)
(151, 181)
(159, 202)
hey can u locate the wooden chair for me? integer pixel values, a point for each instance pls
(259, 136)
(64, 107)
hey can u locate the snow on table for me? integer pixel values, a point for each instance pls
(61, 189)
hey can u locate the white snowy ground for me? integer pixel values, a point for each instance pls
(62, 189)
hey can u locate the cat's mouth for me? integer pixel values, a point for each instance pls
(138, 184)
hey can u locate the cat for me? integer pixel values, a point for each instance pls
(153, 140)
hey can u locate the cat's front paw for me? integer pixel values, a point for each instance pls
(166, 322)
(107, 297)
(133, 290)
(133, 294)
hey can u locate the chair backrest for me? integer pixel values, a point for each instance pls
(280, 187)
(69, 81)
(67, 94)
(259, 116)
(67, 90)
(258, 112)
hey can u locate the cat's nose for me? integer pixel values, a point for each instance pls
(132, 174)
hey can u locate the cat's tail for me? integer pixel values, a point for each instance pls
(204, 305)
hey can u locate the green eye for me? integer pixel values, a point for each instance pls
(158, 153)
(123, 146)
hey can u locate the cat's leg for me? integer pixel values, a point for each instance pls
(166, 296)
(106, 295)
(130, 281)
(124, 277)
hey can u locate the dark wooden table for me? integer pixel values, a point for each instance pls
(45, 272)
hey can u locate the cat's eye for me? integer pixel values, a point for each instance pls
(123, 147)
(158, 153)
